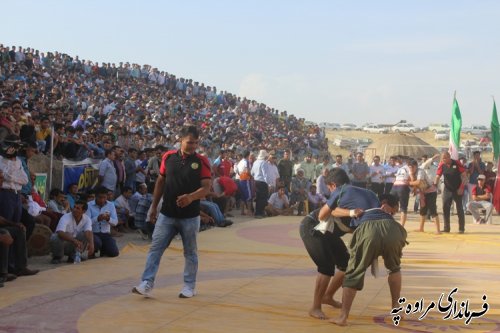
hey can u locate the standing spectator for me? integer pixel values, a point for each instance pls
(120, 169)
(103, 215)
(377, 176)
(324, 164)
(339, 164)
(154, 167)
(390, 174)
(244, 185)
(183, 180)
(17, 231)
(107, 173)
(427, 195)
(454, 176)
(360, 171)
(309, 168)
(481, 199)
(401, 190)
(476, 167)
(141, 165)
(131, 168)
(490, 176)
(261, 175)
(285, 168)
(274, 176)
(14, 178)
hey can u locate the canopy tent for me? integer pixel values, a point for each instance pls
(399, 144)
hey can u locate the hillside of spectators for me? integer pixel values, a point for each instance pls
(94, 106)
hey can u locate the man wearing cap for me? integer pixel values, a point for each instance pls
(481, 199)
(260, 173)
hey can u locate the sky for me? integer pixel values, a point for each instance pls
(325, 61)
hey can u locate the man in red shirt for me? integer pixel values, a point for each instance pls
(183, 180)
(481, 199)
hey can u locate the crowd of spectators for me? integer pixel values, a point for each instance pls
(127, 116)
(93, 106)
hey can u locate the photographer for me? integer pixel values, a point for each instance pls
(14, 177)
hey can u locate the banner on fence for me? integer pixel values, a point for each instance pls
(41, 184)
(84, 173)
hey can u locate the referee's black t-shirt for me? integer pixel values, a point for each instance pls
(183, 175)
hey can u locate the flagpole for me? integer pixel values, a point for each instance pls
(51, 156)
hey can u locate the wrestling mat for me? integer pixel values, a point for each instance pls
(257, 277)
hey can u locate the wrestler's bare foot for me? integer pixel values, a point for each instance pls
(437, 233)
(318, 314)
(339, 321)
(419, 230)
(332, 302)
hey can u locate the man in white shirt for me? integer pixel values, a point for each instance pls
(377, 172)
(274, 174)
(73, 233)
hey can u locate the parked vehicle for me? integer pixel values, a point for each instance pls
(348, 127)
(375, 129)
(405, 128)
(479, 130)
(330, 126)
(436, 128)
(442, 135)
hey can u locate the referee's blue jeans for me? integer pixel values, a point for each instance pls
(165, 230)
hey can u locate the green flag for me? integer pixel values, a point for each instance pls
(455, 129)
(495, 132)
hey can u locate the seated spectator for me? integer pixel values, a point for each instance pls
(123, 209)
(278, 204)
(142, 208)
(58, 202)
(315, 200)
(224, 190)
(103, 215)
(73, 233)
(18, 262)
(213, 210)
(72, 195)
(142, 189)
(43, 135)
(321, 186)
(206, 221)
(481, 199)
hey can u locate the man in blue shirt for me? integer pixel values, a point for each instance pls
(103, 215)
